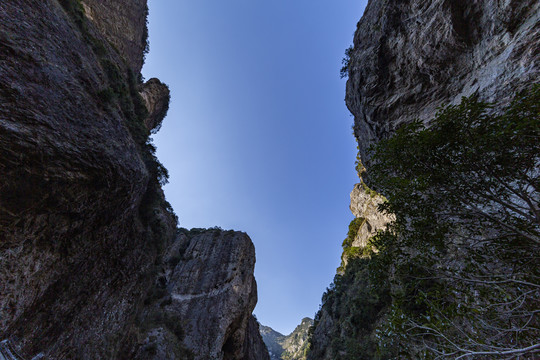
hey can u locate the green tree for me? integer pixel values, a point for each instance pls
(463, 256)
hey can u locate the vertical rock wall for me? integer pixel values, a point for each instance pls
(412, 56)
(409, 57)
(123, 24)
(84, 226)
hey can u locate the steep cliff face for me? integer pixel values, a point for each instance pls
(84, 226)
(203, 299)
(287, 347)
(124, 25)
(412, 56)
(409, 58)
(367, 222)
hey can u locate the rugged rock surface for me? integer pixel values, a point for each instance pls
(124, 26)
(156, 96)
(85, 231)
(74, 248)
(412, 56)
(203, 299)
(287, 347)
(364, 206)
(256, 348)
(409, 58)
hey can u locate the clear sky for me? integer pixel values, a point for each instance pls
(258, 137)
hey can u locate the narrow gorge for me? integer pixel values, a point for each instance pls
(441, 260)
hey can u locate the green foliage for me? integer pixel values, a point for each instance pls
(75, 10)
(350, 251)
(360, 169)
(461, 258)
(462, 254)
(355, 305)
(354, 226)
(145, 37)
(346, 62)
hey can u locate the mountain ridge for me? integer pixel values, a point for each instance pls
(287, 347)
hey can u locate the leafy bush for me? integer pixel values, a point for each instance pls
(463, 251)
(346, 62)
(457, 274)
(355, 305)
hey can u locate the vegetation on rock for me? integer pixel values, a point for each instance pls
(346, 61)
(456, 275)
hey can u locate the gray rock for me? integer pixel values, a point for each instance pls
(208, 293)
(412, 56)
(364, 205)
(123, 24)
(86, 235)
(156, 96)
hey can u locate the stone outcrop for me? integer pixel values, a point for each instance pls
(85, 231)
(412, 56)
(123, 24)
(287, 347)
(156, 96)
(364, 205)
(203, 298)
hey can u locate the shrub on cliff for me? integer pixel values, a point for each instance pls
(462, 255)
(346, 62)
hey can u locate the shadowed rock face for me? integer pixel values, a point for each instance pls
(84, 226)
(74, 250)
(412, 56)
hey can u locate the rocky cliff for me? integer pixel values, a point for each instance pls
(202, 300)
(411, 56)
(287, 347)
(408, 58)
(91, 264)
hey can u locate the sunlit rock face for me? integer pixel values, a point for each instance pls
(203, 299)
(365, 207)
(85, 231)
(412, 56)
(123, 24)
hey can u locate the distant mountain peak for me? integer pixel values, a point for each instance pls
(287, 347)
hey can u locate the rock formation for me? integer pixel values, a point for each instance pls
(409, 57)
(368, 221)
(203, 299)
(87, 240)
(123, 25)
(412, 56)
(287, 347)
(156, 97)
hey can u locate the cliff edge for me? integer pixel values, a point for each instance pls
(85, 231)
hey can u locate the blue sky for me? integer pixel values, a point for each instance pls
(258, 137)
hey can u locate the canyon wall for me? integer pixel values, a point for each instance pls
(411, 56)
(408, 58)
(92, 265)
